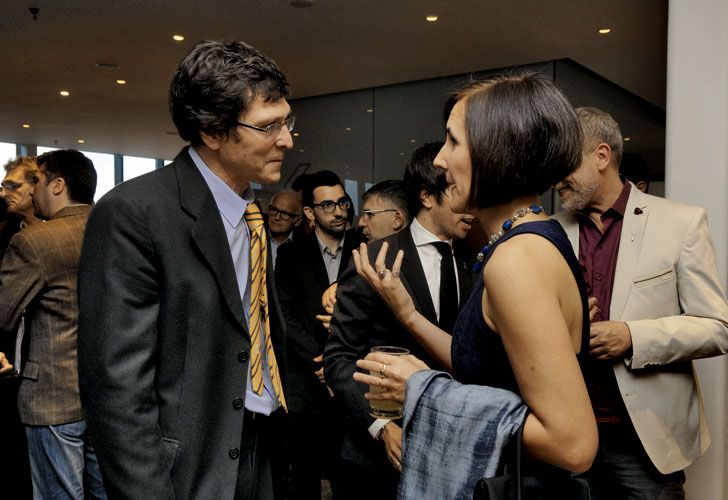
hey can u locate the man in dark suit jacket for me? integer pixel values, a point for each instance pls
(39, 276)
(306, 267)
(361, 321)
(166, 354)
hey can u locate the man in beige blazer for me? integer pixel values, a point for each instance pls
(657, 302)
(39, 275)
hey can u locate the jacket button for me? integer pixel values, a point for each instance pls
(238, 403)
(243, 356)
(234, 453)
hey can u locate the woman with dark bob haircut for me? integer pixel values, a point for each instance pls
(526, 323)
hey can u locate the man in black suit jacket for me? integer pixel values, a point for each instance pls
(305, 268)
(165, 349)
(361, 321)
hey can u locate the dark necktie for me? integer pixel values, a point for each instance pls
(448, 287)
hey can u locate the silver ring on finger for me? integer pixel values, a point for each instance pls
(381, 370)
(395, 274)
(379, 383)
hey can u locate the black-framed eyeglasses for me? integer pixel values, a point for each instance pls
(329, 206)
(368, 214)
(273, 211)
(274, 128)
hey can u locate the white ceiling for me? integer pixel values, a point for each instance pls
(333, 46)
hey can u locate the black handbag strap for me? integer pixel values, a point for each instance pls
(519, 447)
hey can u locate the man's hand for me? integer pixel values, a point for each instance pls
(325, 319)
(593, 308)
(392, 437)
(609, 340)
(328, 299)
(320, 372)
(5, 366)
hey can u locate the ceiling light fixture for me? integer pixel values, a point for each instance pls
(627, 139)
(81, 141)
(296, 134)
(65, 93)
(431, 19)
(25, 125)
(300, 3)
(121, 82)
(348, 129)
(177, 38)
(604, 31)
(370, 110)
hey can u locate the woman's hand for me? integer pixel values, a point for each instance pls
(384, 281)
(390, 374)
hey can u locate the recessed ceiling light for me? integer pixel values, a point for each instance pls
(300, 150)
(370, 110)
(431, 19)
(296, 134)
(348, 129)
(65, 93)
(627, 139)
(604, 31)
(25, 125)
(413, 141)
(177, 38)
(300, 3)
(121, 82)
(401, 154)
(81, 141)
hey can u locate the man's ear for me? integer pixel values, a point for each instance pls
(308, 212)
(426, 199)
(212, 141)
(58, 185)
(398, 221)
(604, 156)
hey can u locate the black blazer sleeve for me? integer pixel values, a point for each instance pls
(118, 308)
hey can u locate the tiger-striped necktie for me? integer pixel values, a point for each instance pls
(259, 307)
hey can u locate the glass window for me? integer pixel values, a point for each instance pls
(7, 152)
(135, 166)
(104, 164)
(44, 149)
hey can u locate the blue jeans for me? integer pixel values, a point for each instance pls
(623, 470)
(63, 464)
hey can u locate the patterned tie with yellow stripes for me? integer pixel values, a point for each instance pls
(259, 307)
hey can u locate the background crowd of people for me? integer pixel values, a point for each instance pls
(177, 340)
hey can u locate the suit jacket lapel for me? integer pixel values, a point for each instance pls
(630, 245)
(414, 276)
(208, 233)
(351, 242)
(315, 263)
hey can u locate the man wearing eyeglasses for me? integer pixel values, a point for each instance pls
(305, 269)
(284, 215)
(181, 342)
(436, 272)
(383, 210)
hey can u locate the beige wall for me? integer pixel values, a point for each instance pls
(696, 171)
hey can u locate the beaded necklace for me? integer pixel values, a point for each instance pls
(507, 224)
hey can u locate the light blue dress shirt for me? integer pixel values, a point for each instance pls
(232, 208)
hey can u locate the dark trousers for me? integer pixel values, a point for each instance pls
(314, 445)
(362, 482)
(257, 450)
(623, 470)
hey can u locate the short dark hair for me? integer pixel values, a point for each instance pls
(75, 169)
(390, 190)
(317, 179)
(29, 166)
(523, 137)
(420, 175)
(216, 82)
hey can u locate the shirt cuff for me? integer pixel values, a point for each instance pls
(376, 428)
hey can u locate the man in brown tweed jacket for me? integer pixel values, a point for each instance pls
(39, 275)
